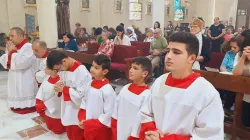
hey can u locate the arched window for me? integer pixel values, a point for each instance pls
(135, 10)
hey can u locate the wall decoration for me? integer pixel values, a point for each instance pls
(30, 23)
(118, 6)
(85, 5)
(135, 11)
(179, 14)
(30, 3)
(177, 3)
(149, 8)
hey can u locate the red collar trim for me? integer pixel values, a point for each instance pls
(53, 80)
(137, 89)
(19, 46)
(46, 54)
(99, 83)
(181, 83)
(75, 66)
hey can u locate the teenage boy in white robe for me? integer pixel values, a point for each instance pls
(182, 105)
(98, 102)
(48, 102)
(18, 60)
(41, 52)
(130, 100)
(72, 85)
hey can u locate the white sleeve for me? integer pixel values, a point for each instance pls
(23, 60)
(85, 96)
(116, 107)
(4, 60)
(39, 94)
(236, 59)
(109, 96)
(210, 122)
(51, 105)
(40, 76)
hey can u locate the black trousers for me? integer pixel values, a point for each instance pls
(228, 97)
(246, 114)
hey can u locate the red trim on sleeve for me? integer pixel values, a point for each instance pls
(9, 58)
(66, 93)
(132, 138)
(40, 107)
(114, 128)
(150, 126)
(136, 89)
(175, 137)
(181, 83)
(82, 114)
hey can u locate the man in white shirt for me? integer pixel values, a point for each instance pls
(21, 81)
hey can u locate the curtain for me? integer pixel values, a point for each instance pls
(63, 15)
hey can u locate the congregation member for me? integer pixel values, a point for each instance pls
(204, 43)
(216, 33)
(157, 25)
(149, 35)
(131, 34)
(73, 80)
(107, 46)
(48, 103)
(157, 46)
(228, 35)
(69, 42)
(112, 32)
(105, 28)
(242, 67)
(130, 100)
(18, 60)
(78, 26)
(98, 102)
(98, 33)
(93, 29)
(238, 33)
(121, 38)
(182, 104)
(41, 52)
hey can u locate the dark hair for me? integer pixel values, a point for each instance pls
(92, 37)
(246, 41)
(69, 35)
(146, 65)
(102, 60)
(55, 58)
(158, 23)
(120, 29)
(190, 40)
(93, 28)
(29, 38)
(105, 28)
(122, 24)
(235, 39)
(98, 31)
(85, 31)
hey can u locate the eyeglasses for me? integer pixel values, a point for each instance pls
(193, 26)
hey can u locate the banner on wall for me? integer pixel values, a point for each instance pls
(179, 13)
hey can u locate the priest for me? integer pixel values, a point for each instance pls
(21, 81)
(182, 105)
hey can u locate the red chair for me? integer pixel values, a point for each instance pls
(216, 60)
(142, 46)
(93, 48)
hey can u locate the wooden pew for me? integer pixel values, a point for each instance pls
(82, 57)
(238, 84)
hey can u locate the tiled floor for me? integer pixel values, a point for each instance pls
(25, 127)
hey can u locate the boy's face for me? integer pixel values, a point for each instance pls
(177, 58)
(97, 72)
(136, 73)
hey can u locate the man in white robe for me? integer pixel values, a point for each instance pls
(41, 52)
(183, 105)
(21, 81)
(73, 80)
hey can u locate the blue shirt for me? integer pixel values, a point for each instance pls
(228, 61)
(70, 46)
(216, 30)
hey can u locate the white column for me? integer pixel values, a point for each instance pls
(211, 16)
(158, 7)
(46, 12)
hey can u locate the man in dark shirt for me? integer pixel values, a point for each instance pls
(216, 33)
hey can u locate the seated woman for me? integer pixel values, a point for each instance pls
(121, 38)
(204, 47)
(98, 33)
(68, 42)
(131, 34)
(149, 35)
(242, 67)
(107, 46)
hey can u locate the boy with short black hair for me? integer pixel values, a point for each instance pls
(130, 100)
(182, 105)
(98, 102)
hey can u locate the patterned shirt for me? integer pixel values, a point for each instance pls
(228, 61)
(106, 48)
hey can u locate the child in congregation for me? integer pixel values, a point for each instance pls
(98, 103)
(130, 100)
(48, 102)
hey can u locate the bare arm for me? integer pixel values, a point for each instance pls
(200, 58)
(238, 69)
(223, 69)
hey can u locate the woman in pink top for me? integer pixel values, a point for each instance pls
(228, 35)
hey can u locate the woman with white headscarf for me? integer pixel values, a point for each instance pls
(149, 35)
(131, 34)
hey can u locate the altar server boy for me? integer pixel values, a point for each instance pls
(49, 101)
(182, 105)
(98, 102)
(130, 99)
